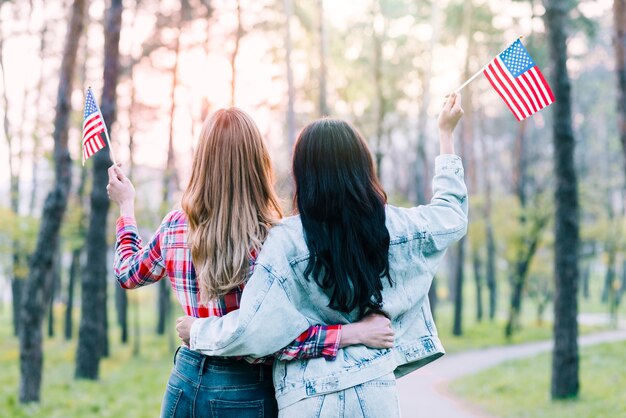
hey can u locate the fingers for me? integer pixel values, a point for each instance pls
(112, 174)
(116, 173)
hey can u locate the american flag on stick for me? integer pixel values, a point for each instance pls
(519, 82)
(93, 128)
(517, 79)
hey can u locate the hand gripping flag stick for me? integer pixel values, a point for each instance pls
(93, 127)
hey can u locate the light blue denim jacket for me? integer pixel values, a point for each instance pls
(278, 303)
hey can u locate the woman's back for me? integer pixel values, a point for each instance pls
(174, 257)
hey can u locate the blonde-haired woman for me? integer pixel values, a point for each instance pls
(227, 210)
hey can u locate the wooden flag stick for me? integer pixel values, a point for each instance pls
(469, 80)
(106, 133)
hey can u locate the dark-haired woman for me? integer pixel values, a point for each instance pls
(346, 254)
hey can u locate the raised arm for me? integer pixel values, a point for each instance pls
(444, 219)
(134, 265)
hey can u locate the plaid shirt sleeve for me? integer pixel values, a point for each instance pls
(317, 341)
(134, 265)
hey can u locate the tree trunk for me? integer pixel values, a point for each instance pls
(491, 271)
(379, 98)
(565, 358)
(422, 176)
(36, 136)
(609, 277)
(531, 235)
(163, 306)
(170, 186)
(75, 271)
(457, 327)
(93, 339)
(619, 43)
(522, 264)
(121, 306)
(585, 280)
(17, 285)
(233, 57)
(477, 264)
(137, 329)
(38, 284)
(18, 259)
(56, 283)
(323, 40)
(291, 116)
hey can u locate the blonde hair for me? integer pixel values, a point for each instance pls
(230, 202)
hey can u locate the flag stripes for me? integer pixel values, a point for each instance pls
(93, 128)
(525, 91)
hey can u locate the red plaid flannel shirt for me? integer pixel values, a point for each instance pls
(168, 255)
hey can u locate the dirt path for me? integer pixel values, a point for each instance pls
(424, 393)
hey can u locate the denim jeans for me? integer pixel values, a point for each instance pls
(214, 387)
(377, 398)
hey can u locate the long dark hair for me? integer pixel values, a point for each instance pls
(342, 208)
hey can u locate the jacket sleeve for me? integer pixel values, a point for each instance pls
(444, 220)
(317, 341)
(135, 265)
(265, 322)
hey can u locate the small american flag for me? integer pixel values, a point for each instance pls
(517, 79)
(93, 127)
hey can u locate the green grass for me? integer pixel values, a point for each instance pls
(486, 333)
(521, 389)
(128, 386)
(133, 386)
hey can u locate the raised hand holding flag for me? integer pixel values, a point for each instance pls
(93, 128)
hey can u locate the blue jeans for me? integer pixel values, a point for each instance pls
(214, 387)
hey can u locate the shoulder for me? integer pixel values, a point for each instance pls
(284, 243)
(402, 223)
(175, 218)
(287, 230)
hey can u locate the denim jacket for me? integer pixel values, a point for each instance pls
(278, 303)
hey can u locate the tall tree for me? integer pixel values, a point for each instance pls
(565, 359)
(78, 247)
(291, 116)
(378, 32)
(38, 285)
(467, 133)
(426, 70)
(14, 159)
(37, 127)
(92, 339)
(490, 268)
(233, 57)
(619, 44)
(170, 186)
(323, 48)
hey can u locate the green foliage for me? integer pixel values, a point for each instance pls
(522, 388)
(21, 228)
(128, 387)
